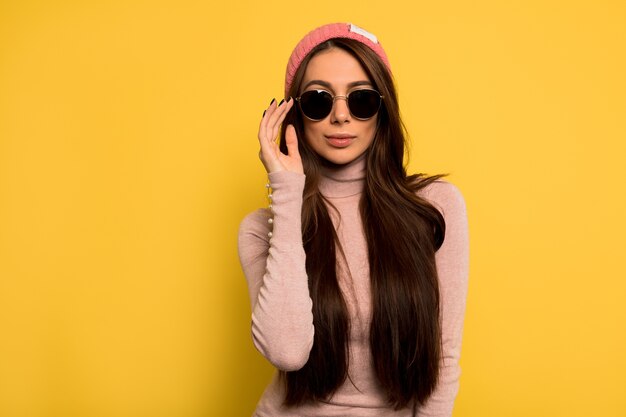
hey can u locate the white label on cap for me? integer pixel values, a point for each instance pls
(363, 32)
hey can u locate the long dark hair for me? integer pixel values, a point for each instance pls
(403, 232)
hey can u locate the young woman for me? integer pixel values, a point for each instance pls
(357, 273)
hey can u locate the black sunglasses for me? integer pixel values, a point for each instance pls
(362, 104)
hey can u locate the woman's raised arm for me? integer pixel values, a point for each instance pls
(272, 255)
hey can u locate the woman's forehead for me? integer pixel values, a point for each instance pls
(335, 68)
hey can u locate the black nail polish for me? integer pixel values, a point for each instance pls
(264, 113)
(273, 100)
(281, 102)
(288, 99)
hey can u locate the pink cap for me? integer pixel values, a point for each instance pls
(324, 33)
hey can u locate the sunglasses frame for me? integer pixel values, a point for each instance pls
(345, 97)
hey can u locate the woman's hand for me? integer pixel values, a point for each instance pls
(271, 156)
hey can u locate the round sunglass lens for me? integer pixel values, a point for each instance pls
(316, 104)
(364, 103)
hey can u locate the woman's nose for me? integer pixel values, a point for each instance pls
(340, 112)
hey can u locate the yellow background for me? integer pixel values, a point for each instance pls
(128, 156)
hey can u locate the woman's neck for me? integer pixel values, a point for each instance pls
(343, 180)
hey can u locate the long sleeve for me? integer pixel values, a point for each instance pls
(452, 267)
(282, 317)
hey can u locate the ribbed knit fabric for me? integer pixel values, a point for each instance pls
(322, 34)
(282, 321)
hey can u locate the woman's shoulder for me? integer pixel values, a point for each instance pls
(256, 223)
(444, 195)
(452, 256)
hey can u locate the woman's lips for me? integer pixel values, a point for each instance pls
(340, 140)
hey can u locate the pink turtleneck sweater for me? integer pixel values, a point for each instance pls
(282, 320)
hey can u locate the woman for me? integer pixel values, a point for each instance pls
(357, 273)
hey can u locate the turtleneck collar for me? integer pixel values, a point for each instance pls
(343, 180)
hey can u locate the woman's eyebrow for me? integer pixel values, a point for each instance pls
(357, 83)
(319, 82)
(327, 84)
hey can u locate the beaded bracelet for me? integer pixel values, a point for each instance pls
(269, 198)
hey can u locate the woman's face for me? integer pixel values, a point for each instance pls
(339, 138)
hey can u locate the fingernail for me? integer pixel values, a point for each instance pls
(273, 100)
(281, 102)
(264, 113)
(289, 99)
